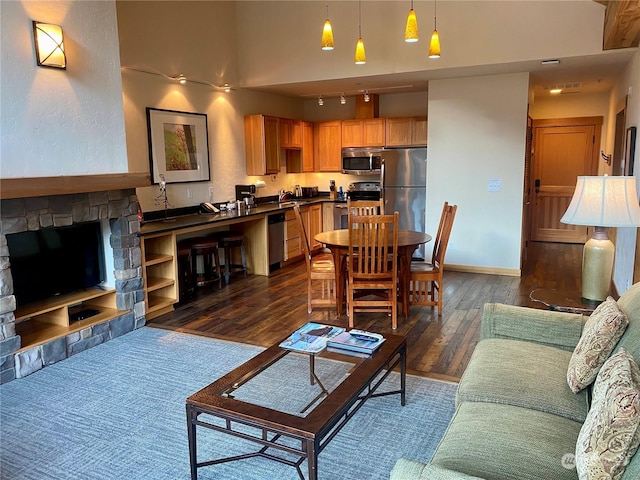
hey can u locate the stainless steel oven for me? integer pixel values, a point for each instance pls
(357, 191)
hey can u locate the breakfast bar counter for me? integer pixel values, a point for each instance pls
(159, 240)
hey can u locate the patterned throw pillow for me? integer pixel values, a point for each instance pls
(610, 434)
(600, 335)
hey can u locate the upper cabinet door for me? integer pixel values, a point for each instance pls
(406, 131)
(352, 133)
(328, 140)
(373, 132)
(308, 162)
(290, 133)
(262, 144)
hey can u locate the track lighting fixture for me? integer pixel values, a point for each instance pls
(343, 99)
(366, 96)
(182, 79)
(227, 87)
(320, 101)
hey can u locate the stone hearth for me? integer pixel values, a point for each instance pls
(120, 207)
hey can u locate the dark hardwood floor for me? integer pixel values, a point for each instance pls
(262, 310)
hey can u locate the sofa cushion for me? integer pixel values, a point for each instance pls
(404, 469)
(490, 440)
(599, 337)
(611, 433)
(522, 374)
(629, 303)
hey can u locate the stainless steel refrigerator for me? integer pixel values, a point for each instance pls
(403, 179)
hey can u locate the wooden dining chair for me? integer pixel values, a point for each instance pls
(320, 267)
(373, 265)
(426, 278)
(365, 207)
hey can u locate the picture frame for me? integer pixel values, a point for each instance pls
(629, 150)
(178, 146)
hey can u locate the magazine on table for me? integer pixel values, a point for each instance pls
(311, 338)
(357, 341)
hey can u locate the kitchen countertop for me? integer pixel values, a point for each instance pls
(199, 219)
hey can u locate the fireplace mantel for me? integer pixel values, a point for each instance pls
(44, 186)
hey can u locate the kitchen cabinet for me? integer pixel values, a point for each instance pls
(302, 159)
(262, 144)
(312, 221)
(292, 236)
(290, 133)
(368, 132)
(406, 131)
(328, 143)
(308, 157)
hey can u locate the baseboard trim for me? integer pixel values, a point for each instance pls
(511, 272)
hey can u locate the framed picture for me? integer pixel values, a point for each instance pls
(178, 146)
(629, 150)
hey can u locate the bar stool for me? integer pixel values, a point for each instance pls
(186, 277)
(229, 240)
(208, 248)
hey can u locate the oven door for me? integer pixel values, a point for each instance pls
(340, 216)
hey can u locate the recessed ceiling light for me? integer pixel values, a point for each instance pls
(552, 61)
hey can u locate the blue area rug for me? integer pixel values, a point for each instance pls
(117, 411)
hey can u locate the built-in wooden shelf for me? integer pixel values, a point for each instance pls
(43, 321)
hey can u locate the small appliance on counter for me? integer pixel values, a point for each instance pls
(309, 192)
(246, 194)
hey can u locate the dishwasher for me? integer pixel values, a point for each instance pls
(276, 240)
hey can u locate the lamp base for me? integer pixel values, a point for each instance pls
(597, 266)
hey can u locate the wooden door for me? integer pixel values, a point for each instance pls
(398, 132)
(563, 150)
(373, 132)
(526, 197)
(352, 133)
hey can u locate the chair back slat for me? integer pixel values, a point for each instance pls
(365, 207)
(303, 235)
(372, 240)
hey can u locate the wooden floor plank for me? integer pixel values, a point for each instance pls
(260, 310)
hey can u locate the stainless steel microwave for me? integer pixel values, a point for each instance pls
(361, 160)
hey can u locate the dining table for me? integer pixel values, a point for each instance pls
(338, 242)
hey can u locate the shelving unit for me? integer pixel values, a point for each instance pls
(46, 320)
(159, 273)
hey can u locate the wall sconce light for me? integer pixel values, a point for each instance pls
(49, 45)
(343, 99)
(320, 101)
(366, 96)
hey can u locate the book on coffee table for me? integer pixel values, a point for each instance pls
(356, 341)
(311, 338)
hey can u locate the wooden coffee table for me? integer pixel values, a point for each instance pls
(227, 405)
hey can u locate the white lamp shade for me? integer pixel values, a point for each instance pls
(604, 202)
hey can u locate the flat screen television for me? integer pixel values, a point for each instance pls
(55, 261)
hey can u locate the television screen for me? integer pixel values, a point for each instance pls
(55, 261)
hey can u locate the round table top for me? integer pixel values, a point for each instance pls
(340, 238)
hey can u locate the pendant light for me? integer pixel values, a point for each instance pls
(327, 34)
(411, 30)
(434, 46)
(360, 56)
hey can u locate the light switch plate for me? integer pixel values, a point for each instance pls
(494, 184)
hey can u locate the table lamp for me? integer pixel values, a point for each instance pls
(601, 202)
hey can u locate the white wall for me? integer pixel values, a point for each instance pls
(627, 258)
(61, 122)
(477, 130)
(473, 33)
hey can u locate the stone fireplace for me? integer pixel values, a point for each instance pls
(120, 208)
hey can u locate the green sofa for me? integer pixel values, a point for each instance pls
(516, 417)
